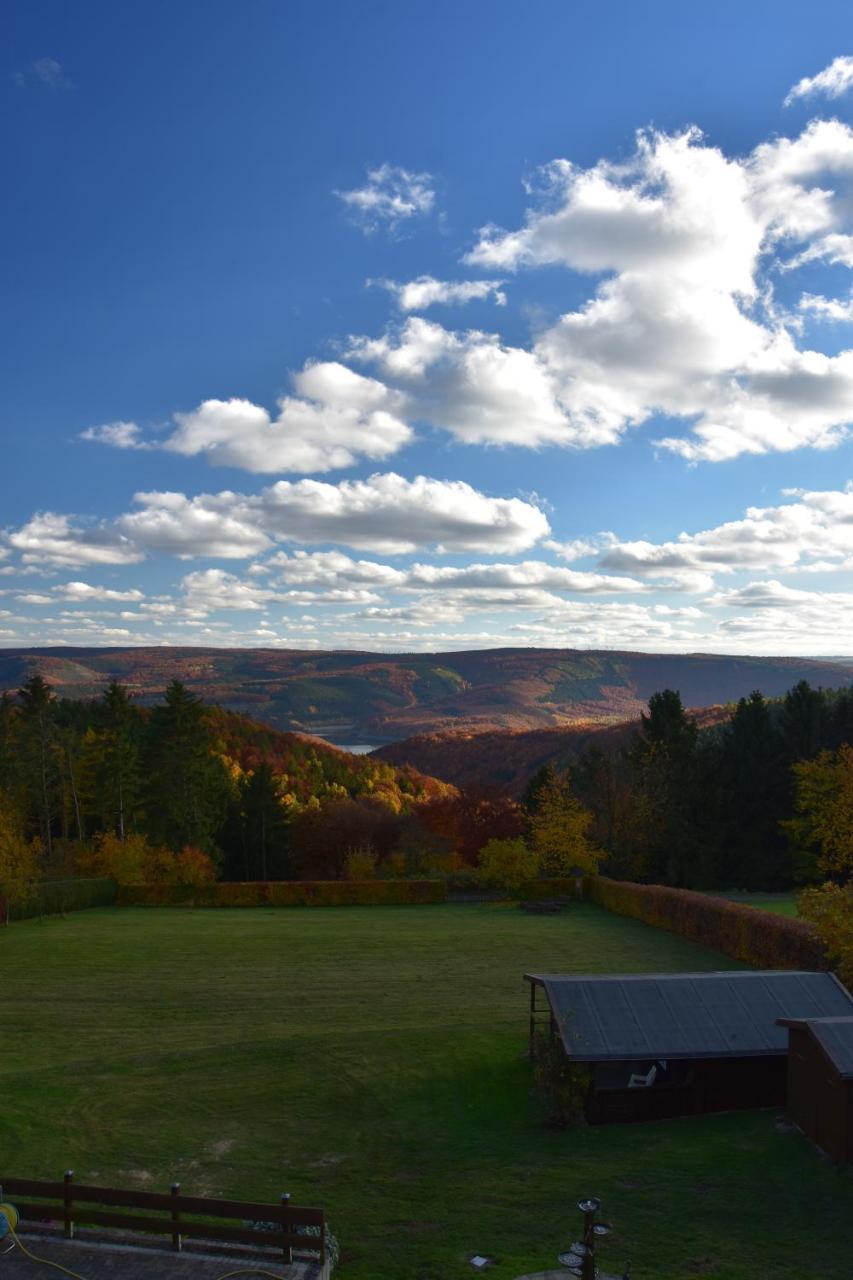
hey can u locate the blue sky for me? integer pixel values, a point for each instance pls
(614, 411)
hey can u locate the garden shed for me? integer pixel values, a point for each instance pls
(820, 1082)
(670, 1044)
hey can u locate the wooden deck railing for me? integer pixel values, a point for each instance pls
(178, 1216)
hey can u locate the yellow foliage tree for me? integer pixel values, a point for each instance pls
(559, 829)
(830, 910)
(825, 819)
(20, 858)
(507, 864)
(825, 809)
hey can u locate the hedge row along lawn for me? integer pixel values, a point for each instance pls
(372, 1061)
(766, 939)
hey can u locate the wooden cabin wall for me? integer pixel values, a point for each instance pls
(714, 1084)
(819, 1101)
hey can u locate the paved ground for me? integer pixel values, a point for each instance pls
(561, 1274)
(93, 1261)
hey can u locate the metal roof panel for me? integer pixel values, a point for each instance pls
(640, 1016)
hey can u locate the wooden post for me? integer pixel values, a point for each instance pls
(285, 1227)
(532, 1031)
(175, 1191)
(67, 1195)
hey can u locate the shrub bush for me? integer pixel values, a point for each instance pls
(360, 864)
(286, 893)
(744, 933)
(193, 866)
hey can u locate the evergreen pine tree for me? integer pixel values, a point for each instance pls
(754, 789)
(266, 832)
(111, 763)
(803, 722)
(38, 759)
(185, 781)
(666, 771)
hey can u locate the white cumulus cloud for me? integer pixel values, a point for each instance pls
(391, 514)
(833, 81)
(471, 384)
(53, 539)
(839, 310)
(221, 525)
(680, 322)
(426, 291)
(331, 569)
(82, 592)
(121, 435)
(385, 513)
(815, 529)
(337, 417)
(391, 195)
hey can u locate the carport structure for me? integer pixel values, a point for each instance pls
(669, 1044)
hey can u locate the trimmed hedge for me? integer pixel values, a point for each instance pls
(467, 886)
(286, 893)
(547, 887)
(57, 897)
(745, 933)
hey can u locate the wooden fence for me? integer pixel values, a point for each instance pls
(70, 1204)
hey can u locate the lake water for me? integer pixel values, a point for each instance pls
(334, 732)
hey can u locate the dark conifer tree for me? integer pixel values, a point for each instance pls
(803, 722)
(539, 781)
(840, 720)
(666, 769)
(266, 831)
(754, 790)
(186, 785)
(38, 758)
(9, 749)
(113, 763)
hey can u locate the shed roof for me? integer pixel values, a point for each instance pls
(631, 1017)
(835, 1037)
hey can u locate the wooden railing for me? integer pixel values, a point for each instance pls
(192, 1217)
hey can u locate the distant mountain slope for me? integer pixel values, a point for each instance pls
(311, 767)
(372, 697)
(507, 758)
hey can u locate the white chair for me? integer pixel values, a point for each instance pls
(638, 1081)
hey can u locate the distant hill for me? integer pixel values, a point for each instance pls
(376, 698)
(310, 767)
(506, 758)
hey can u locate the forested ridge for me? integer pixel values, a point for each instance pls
(107, 786)
(382, 697)
(717, 807)
(183, 790)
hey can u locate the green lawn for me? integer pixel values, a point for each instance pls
(783, 904)
(371, 1060)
